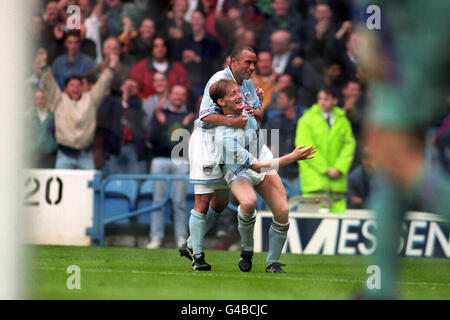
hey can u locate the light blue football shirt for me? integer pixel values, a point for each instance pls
(240, 148)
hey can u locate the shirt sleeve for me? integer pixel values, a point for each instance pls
(207, 106)
(98, 91)
(51, 87)
(255, 103)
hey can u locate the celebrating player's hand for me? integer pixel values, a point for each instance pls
(260, 93)
(239, 122)
(302, 153)
(249, 110)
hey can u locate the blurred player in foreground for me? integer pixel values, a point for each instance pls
(408, 62)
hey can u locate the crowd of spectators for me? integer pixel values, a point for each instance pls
(303, 46)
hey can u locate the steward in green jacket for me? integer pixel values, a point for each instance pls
(326, 127)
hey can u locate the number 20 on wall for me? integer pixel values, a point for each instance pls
(33, 186)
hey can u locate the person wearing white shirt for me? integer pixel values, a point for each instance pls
(282, 50)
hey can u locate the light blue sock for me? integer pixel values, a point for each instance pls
(197, 226)
(212, 217)
(277, 238)
(211, 220)
(246, 225)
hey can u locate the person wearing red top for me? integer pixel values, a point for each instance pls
(144, 69)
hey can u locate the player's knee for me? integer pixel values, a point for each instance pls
(282, 213)
(248, 204)
(219, 201)
(219, 206)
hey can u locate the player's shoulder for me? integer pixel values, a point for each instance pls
(248, 83)
(217, 76)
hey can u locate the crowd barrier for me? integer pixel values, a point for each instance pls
(127, 199)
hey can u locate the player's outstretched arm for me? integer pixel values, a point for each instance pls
(299, 153)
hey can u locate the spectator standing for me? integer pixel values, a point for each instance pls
(286, 123)
(245, 37)
(326, 127)
(51, 15)
(282, 81)
(193, 5)
(41, 37)
(238, 23)
(319, 36)
(359, 183)
(73, 62)
(47, 40)
(139, 10)
(144, 69)
(175, 27)
(307, 79)
(162, 126)
(114, 12)
(75, 113)
(265, 76)
(348, 57)
(43, 145)
(111, 46)
(283, 51)
(283, 18)
(199, 53)
(140, 45)
(158, 100)
(125, 133)
(91, 20)
(351, 102)
(251, 16)
(209, 8)
(88, 46)
(331, 74)
(310, 81)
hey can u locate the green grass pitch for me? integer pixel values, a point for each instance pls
(129, 273)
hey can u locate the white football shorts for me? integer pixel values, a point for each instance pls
(204, 162)
(254, 177)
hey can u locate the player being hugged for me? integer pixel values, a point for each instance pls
(245, 172)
